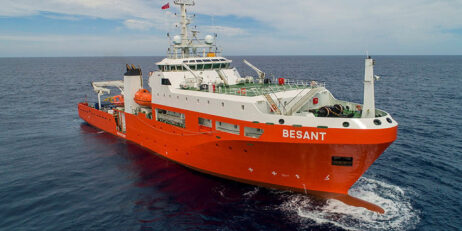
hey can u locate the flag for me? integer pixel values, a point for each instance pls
(166, 6)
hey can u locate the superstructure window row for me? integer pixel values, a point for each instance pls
(198, 67)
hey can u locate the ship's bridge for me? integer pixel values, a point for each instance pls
(196, 64)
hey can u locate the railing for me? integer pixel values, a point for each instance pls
(179, 55)
(254, 90)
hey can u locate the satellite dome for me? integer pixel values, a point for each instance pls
(208, 39)
(177, 39)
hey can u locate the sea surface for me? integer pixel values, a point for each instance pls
(59, 173)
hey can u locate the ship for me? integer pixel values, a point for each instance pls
(282, 133)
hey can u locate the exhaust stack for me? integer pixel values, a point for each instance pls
(133, 81)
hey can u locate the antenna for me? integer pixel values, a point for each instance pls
(213, 21)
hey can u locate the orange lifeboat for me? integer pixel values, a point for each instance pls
(117, 100)
(143, 97)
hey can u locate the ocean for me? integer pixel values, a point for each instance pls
(59, 173)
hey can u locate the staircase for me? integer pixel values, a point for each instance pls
(295, 106)
(272, 104)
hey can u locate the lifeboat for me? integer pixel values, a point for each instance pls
(117, 100)
(143, 97)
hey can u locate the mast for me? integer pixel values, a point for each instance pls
(369, 99)
(184, 22)
(183, 45)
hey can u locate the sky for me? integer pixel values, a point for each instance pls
(50, 28)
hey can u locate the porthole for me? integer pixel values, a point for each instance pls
(389, 120)
(377, 122)
(197, 100)
(208, 101)
(281, 121)
(222, 104)
(177, 97)
(346, 124)
(242, 106)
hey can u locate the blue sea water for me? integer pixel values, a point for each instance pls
(59, 173)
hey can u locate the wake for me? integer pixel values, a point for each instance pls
(399, 214)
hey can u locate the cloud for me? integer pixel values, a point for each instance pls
(80, 45)
(302, 26)
(224, 30)
(138, 24)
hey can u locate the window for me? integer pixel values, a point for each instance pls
(253, 132)
(170, 117)
(342, 161)
(207, 66)
(165, 81)
(216, 65)
(205, 122)
(226, 127)
(200, 67)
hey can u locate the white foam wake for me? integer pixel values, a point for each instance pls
(399, 214)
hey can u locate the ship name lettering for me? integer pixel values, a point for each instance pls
(294, 134)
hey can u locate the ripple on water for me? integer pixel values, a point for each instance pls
(399, 213)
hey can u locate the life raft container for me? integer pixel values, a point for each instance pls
(143, 97)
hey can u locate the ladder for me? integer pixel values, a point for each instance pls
(272, 104)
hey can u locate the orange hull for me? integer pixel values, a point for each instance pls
(271, 160)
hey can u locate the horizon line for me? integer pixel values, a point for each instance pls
(113, 56)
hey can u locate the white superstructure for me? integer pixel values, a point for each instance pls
(194, 77)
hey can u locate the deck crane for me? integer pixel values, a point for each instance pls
(101, 88)
(261, 74)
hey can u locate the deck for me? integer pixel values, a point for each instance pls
(255, 89)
